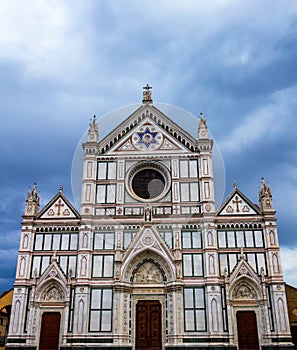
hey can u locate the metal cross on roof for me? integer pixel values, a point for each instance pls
(147, 94)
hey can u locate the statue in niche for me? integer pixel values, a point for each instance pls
(148, 214)
(272, 237)
(209, 238)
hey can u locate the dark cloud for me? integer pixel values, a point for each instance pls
(234, 61)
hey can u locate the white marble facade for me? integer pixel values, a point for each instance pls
(147, 230)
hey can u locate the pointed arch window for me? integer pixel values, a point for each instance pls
(214, 315)
(16, 316)
(80, 316)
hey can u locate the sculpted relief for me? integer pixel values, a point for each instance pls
(53, 294)
(148, 273)
(244, 291)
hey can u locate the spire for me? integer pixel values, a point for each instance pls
(202, 128)
(265, 197)
(32, 202)
(93, 130)
(147, 94)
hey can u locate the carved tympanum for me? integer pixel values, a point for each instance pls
(53, 293)
(244, 291)
(148, 273)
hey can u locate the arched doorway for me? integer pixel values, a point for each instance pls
(149, 274)
(148, 298)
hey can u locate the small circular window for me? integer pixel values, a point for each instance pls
(148, 181)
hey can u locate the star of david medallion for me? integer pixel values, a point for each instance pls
(147, 239)
(147, 138)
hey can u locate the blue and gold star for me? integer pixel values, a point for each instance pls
(147, 137)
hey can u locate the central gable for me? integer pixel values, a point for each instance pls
(147, 130)
(148, 137)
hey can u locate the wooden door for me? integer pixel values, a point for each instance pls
(50, 331)
(247, 330)
(148, 325)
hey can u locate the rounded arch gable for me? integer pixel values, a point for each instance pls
(51, 290)
(148, 271)
(245, 288)
(166, 268)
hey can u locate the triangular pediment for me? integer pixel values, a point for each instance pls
(147, 239)
(243, 269)
(52, 284)
(147, 130)
(244, 281)
(53, 271)
(148, 137)
(59, 208)
(238, 204)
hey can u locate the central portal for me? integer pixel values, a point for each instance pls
(148, 325)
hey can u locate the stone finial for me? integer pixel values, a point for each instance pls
(69, 275)
(32, 202)
(61, 189)
(93, 131)
(235, 185)
(202, 127)
(147, 94)
(54, 257)
(265, 197)
(242, 257)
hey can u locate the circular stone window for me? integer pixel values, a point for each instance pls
(148, 181)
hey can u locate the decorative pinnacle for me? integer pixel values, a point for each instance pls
(242, 254)
(235, 184)
(61, 188)
(147, 94)
(54, 257)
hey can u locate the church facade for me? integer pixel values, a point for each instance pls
(148, 263)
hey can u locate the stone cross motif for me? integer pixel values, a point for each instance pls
(59, 205)
(237, 201)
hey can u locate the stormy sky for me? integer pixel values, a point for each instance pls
(62, 61)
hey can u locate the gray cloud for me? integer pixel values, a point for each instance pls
(60, 64)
